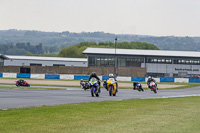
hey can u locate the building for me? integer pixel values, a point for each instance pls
(158, 63)
(2, 58)
(41, 61)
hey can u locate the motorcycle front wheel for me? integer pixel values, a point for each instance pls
(92, 91)
(97, 94)
(110, 90)
(84, 87)
(115, 91)
(154, 90)
(17, 84)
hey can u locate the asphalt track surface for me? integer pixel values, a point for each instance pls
(19, 98)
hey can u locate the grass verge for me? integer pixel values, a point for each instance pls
(186, 85)
(9, 87)
(41, 79)
(136, 115)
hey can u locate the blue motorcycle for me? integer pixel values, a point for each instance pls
(139, 86)
(94, 87)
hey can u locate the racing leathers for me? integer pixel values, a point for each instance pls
(151, 80)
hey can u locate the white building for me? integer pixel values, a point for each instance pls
(2, 58)
(158, 63)
(7, 60)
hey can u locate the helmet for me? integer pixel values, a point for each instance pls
(138, 83)
(93, 74)
(81, 80)
(111, 75)
(149, 77)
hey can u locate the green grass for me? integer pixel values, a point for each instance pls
(186, 85)
(8, 87)
(172, 115)
(41, 79)
(44, 85)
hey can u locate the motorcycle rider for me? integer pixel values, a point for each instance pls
(112, 76)
(81, 82)
(138, 84)
(150, 79)
(21, 81)
(94, 75)
(134, 85)
(84, 84)
(105, 85)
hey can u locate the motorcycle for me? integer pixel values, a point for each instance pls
(153, 87)
(139, 86)
(94, 87)
(84, 85)
(105, 85)
(22, 83)
(112, 86)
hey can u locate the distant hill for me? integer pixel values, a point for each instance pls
(63, 39)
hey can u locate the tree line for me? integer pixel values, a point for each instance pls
(75, 51)
(26, 48)
(66, 38)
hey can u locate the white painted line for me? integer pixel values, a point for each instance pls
(181, 96)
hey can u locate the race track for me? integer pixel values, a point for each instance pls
(18, 98)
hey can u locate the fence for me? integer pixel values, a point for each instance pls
(121, 71)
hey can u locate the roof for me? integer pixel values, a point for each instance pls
(46, 58)
(3, 56)
(138, 52)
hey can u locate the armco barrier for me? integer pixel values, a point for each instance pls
(50, 76)
(181, 80)
(84, 77)
(23, 75)
(123, 78)
(67, 76)
(166, 79)
(140, 79)
(106, 77)
(9, 75)
(100, 77)
(38, 76)
(194, 80)
(156, 79)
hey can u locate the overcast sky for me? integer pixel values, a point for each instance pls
(144, 17)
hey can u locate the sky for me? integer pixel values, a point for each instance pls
(142, 17)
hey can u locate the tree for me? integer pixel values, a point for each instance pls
(71, 51)
(53, 49)
(39, 49)
(75, 51)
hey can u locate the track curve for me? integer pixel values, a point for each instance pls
(18, 98)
